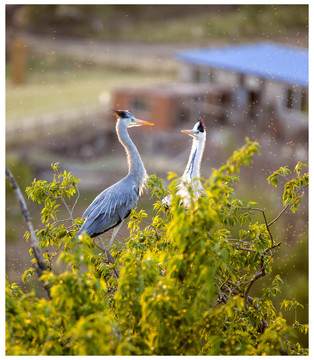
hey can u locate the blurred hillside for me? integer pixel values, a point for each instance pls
(162, 23)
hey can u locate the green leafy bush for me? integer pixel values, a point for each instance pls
(184, 280)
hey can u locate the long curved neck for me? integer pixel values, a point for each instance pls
(192, 169)
(135, 164)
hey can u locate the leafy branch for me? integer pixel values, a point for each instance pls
(185, 277)
(293, 193)
(41, 266)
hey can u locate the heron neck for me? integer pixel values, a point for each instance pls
(135, 164)
(192, 169)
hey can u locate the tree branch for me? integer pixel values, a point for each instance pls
(240, 241)
(280, 213)
(41, 266)
(257, 275)
(265, 221)
(68, 209)
(287, 206)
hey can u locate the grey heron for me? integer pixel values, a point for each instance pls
(191, 173)
(114, 204)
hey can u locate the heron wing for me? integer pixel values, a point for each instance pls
(110, 207)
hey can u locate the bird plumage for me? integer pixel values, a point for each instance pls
(191, 173)
(114, 204)
(110, 208)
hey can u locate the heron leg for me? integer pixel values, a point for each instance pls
(115, 231)
(110, 258)
(101, 242)
(102, 247)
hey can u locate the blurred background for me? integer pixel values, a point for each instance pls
(243, 66)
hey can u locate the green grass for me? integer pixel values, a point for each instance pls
(55, 89)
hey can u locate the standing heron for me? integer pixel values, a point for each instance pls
(191, 173)
(113, 205)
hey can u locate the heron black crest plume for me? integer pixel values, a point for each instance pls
(200, 118)
(120, 113)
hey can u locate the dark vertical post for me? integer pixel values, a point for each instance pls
(18, 59)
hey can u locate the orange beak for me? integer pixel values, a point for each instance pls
(142, 122)
(189, 132)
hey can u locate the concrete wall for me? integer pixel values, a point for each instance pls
(225, 78)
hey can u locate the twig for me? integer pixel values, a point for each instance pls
(75, 202)
(68, 209)
(285, 208)
(268, 224)
(235, 292)
(244, 249)
(256, 277)
(280, 213)
(270, 249)
(102, 247)
(265, 220)
(224, 284)
(34, 241)
(240, 241)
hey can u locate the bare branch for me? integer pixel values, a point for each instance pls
(265, 220)
(68, 209)
(286, 207)
(244, 249)
(270, 248)
(268, 224)
(257, 275)
(75, 202)
(41, 266)
(280, 213)
(235, 292)
(240, 241)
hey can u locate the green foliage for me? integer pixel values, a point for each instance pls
(63, 185)
(293, 189)
(184, 280)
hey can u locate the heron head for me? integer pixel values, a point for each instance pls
(130, 119)
(198, 131)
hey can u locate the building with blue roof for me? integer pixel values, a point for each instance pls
(268, 61)
(258, 79)
(263, 85)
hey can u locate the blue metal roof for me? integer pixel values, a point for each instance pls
(272, 61)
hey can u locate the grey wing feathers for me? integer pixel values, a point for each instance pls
(98, 200)
(110, 208)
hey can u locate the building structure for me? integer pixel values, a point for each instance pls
(169, 105)
(264, 83)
